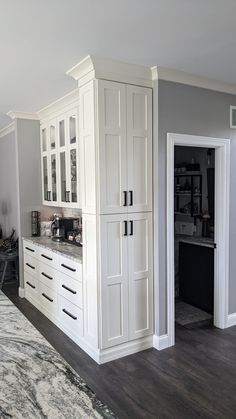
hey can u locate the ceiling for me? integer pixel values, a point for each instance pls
(41, 40)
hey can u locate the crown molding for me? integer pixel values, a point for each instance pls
(55, 108)
(196, 81)
(22, 115)
(7, 130)
(103, 68)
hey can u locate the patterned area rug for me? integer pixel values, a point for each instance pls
(187, 315)
(35, 381)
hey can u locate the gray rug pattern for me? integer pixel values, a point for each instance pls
(187, 315)
(35, 381)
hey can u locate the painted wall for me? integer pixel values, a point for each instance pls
(190, 110)
(28, 177)
(8, 188)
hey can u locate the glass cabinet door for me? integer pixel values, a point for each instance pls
(62, 137)
(72, 129)
(45, 178)
(52, 137)
(63, 176)
(73, 175)
(54, 177)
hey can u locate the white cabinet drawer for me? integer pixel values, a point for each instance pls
(31, 265)
(70, 316)
(48, 275)
(48, 299)
(70, 289)
(31, 285)
(70, 267)
(48, 257)
(30, 249)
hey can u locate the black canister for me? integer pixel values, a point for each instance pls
(35, 223)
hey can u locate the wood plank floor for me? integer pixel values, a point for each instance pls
(194, 379)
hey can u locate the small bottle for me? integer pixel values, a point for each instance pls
(35, 223)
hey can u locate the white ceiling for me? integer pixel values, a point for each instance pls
(40, 40)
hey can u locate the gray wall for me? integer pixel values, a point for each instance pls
(8, 189)
(29, 176)
(190, 110)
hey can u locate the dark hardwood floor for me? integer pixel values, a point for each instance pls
(194, 379)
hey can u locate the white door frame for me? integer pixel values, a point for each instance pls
(221, 259)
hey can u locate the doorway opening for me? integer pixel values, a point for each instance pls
(197, 231)
(194, 207)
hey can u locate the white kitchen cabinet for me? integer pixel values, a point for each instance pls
(140, 254)
(125, 147)
(54, 284)
(68, 151)
(49, 163)
(114, 280)
(126, 277)
(60, 160)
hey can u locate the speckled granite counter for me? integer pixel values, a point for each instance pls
(65, 249)
(200, 241)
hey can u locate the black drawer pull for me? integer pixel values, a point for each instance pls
(68, 289)
(47, 276)
(131, 198)
(125, 198)
(69, 314)
(30, 266)
(31, 250)
(46, 257)
(48, 298)
(32, 286)
(68, 267)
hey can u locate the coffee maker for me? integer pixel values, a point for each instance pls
(58, 231)
(62, 227)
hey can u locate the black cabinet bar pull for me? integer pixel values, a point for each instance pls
(47, 276)
(46, 257)
(48, 298)
(30, 266)
(130, 198)
(68, 289)
(68, 267)
(131, 228)
(47, 197)
(31, 250)
(126, 232)
(32, 286)
(125, 198)
(69, 314)
(49, 194)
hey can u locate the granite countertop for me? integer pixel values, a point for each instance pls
(198, 240)
(62, 248)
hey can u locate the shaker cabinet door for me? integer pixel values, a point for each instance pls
(112, 147)
(139, 148)
(114, 280)
(140, 275)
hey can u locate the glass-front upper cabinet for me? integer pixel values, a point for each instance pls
(60, 156)
(49, 163)
(68, 159)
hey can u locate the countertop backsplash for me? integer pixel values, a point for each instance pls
(47, 215)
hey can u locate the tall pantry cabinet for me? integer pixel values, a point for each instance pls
(115, 134)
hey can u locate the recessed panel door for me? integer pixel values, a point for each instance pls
(140, 275)
(114, 280)
(112, 147)
(139, 148)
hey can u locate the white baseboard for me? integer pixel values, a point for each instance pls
(21, 292)
(231, 320)
(160, 342)
(124, 349)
